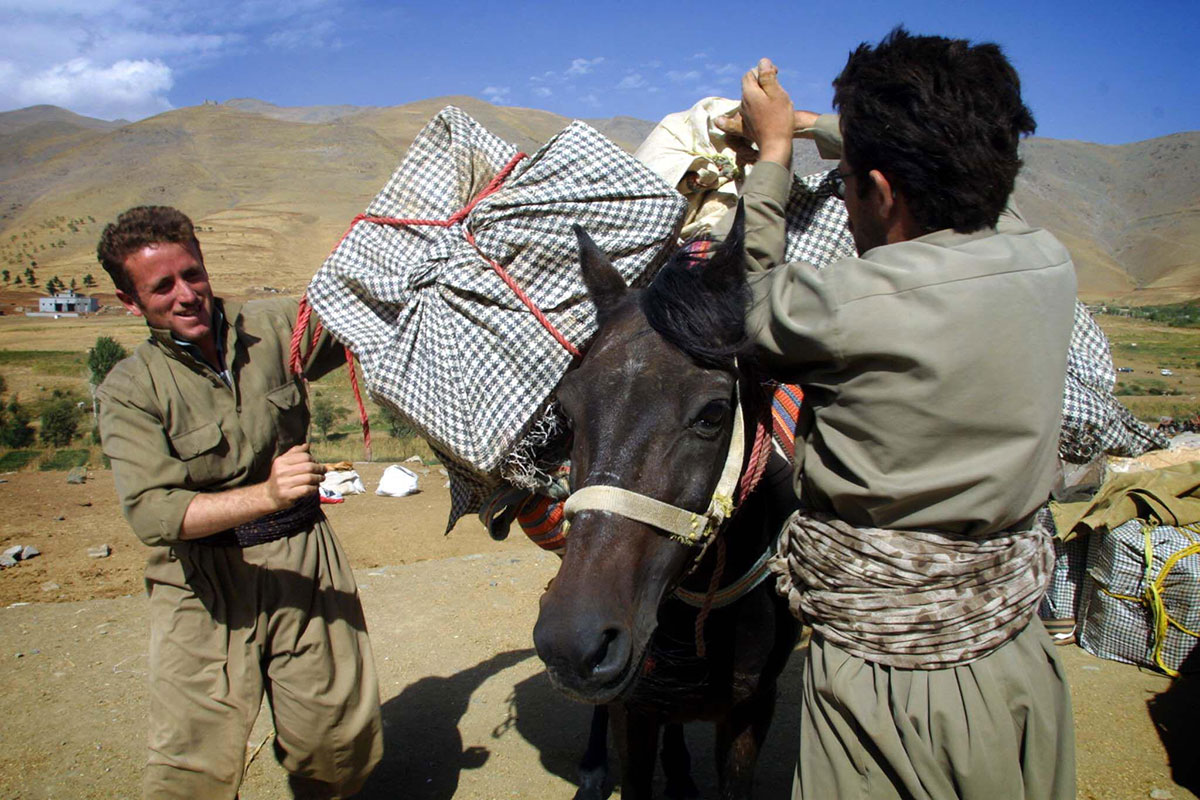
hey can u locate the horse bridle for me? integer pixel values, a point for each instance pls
(686, 527)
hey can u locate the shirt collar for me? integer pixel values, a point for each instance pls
(165, 338)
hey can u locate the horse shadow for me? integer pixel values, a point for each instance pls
(424, 754)
(558, 729)
(423, 751)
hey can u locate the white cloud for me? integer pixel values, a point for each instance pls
(679, 76)
(590, 99)
(725, 69)
(496, 94)
(582, 66)
(125, 88)
(320, 34)
(542, 91)
(633, 81)
(115, 58)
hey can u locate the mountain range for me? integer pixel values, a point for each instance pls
(272, 188)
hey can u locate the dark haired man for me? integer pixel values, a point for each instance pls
(933, 367)
(249, 589)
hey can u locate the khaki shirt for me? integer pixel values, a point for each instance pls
(172, 428)
(932, 369)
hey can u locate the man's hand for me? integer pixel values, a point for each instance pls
(767, 117)
(804, 122)
(294, 475)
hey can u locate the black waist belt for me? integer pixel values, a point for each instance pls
(269, 527)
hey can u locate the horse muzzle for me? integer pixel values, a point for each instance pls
(588, 656)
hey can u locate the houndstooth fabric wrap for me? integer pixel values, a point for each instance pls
(1094, 422)
(816, 223)
(440, 337)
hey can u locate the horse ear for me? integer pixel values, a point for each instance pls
(604, 283)
(727, 265)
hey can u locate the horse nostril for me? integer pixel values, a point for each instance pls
(611, 656)
(600, 655)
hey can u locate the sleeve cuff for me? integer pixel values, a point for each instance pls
(828, 134)
(770, 180)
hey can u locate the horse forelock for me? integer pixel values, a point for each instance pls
(702, 316)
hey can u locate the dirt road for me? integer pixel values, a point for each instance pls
(467, 708)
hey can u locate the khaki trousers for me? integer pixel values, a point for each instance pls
(227, 624)
(999, 728)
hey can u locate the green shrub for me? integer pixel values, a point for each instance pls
(103, 356)
(325, 415)
(15, 430)
(60, 421)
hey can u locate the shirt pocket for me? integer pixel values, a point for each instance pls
(203, 451)
(289, 415)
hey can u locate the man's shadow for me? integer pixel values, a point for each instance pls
(1176, 715)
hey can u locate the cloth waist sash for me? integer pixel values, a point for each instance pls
(269, 527)
(911, 599)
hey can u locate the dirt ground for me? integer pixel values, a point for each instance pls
(468, 710)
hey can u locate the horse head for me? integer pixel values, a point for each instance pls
(652, 406)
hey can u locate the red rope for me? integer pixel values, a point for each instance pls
(524, 298)
(295, 360)
(296, 364)
(760, 454)
(362, 410)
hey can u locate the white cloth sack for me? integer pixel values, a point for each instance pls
(689, 152)
(343, 482)
(397, 481)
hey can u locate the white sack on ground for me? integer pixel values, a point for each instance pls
(397, 481)
(343, 482)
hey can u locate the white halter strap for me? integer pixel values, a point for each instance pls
(686, 527)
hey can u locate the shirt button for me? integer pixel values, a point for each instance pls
(239, 408)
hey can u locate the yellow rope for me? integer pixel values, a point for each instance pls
(1154, 584)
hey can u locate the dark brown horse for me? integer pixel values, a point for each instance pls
(653, 406)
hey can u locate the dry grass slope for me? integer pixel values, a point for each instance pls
(273, 188)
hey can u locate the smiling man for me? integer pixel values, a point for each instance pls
(249, 589)
(933, 367)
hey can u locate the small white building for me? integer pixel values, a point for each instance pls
(68, 303)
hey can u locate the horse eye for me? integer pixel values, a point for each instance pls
(708, 421)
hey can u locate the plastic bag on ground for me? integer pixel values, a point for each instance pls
(397, 481)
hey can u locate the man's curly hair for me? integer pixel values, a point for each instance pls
(941, 118)
(137, 228)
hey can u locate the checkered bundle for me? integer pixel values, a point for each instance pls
(816, 222)
(1120, 617)
(440, 337)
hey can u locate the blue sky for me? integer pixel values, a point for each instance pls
(1102, 71)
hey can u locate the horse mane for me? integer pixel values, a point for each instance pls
(699, 304)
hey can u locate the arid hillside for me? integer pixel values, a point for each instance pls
(272, 189)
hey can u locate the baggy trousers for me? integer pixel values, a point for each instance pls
(999, 728)
(227, 624)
